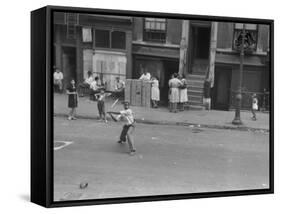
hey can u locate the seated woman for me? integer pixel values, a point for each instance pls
(86, 84)
(119, 88)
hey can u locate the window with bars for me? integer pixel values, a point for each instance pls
(102, 38)
(251, 36)
(154, 30)
(110, 39)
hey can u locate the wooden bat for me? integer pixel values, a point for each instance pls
(114, 103)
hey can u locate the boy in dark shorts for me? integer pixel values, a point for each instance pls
(128, 128)
(101, 105)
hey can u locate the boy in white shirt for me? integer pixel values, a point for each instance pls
(101, 104)
(129, 128)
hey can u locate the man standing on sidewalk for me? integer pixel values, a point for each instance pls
(58, 78)
(207, 94)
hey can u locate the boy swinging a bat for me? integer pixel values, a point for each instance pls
(128, 128)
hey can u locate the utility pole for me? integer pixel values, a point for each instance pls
(237, 118)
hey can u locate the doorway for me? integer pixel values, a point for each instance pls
(222, 88)
(171, 67)
(69, 64)
(199, 44)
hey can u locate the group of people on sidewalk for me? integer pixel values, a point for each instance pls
(177, 93)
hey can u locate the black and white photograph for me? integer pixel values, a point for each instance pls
(147, 106)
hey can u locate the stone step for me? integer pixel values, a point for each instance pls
(195, 107)
(194, 103)
(195, 83)
(196, 77)
(195, 98)
(195, 93)
(195, 87)
(200, 73)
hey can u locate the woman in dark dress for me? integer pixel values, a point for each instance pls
(72, 100)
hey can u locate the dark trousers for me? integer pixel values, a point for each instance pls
(101, 108)
(127, 133)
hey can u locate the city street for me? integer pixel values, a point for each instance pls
(169, 160)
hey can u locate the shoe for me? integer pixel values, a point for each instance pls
(120, 142)
(74, 118)
(105, 121)
(133, 152)
(69, 118)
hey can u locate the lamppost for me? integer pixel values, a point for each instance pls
(238, 97)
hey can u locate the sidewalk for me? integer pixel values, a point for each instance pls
(192, 118)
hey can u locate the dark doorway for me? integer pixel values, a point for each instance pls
(69, 64)
(162, 68)
(221, 90)
(199, 44)
(171, 66)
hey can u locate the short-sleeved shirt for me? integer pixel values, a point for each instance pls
(58, 76)
(146, 76)
(174, 83)
(94, 85)
(128, 115)
(89, 80)
(120, 85)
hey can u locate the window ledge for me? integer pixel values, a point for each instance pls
(231, 51)
(156, 44)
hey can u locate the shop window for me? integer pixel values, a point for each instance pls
(102, 38)
(154, 30)
(118, 40)
(250, 42)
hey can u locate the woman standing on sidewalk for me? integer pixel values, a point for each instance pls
(155, 92)
(183, 92)
(72, 100)
(174, 85)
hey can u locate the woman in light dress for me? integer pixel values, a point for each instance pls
(183, 93)
(155, 93)
(174, 85)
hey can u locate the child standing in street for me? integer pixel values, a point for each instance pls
(72, 99)
(255, 106)
(101, 104)
(128, 128)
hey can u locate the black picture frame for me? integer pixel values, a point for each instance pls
(42, 107)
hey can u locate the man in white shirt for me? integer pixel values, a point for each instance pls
(119, 85)
(119, 88)
(86, 84)
(145, 76)
(58, 78)
(94, 88)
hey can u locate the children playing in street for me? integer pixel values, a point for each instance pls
(255, 106)
(128, 128)
(100, 97)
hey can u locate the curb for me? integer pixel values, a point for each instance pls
(190, 125)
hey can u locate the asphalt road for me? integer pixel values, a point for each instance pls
(169, 160)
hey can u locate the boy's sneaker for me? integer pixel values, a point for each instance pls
(69, 118)
(133, 152)
(120, 141)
